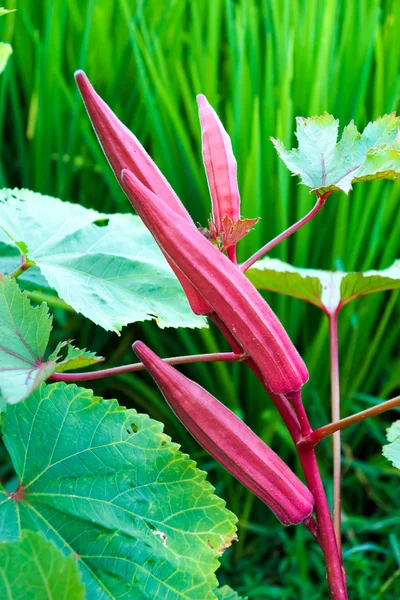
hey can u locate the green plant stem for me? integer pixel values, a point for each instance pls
(335, 415)
(24, 266)
(131, 368)
(319, 434)
(285, 234)
(54, 301)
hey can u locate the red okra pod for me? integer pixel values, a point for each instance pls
(230, 294)
(219, 431)
(124, 151)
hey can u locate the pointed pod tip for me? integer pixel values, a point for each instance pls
(201, 99)
(142, 351)
(80, 76)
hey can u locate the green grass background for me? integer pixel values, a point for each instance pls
(260, 63)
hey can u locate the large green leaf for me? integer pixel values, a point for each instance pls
(34, 569)
(326, 289)
(107, 485)
(114, 274)
(325, 165)
(24, 335)
(392, 450)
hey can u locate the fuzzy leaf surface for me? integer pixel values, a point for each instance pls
(325, 289)
(112, 274)
(326, 165)
(106, 484)
(33, 568)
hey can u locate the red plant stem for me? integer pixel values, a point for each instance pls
(231, 252)
(282, 236)
(131, 368)
(319, 434)
(326, 534)
(335, 415)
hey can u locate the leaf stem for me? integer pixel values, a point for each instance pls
(335, 415)
(24, 266)
(319, 434)
(285, 234)
(133, 367)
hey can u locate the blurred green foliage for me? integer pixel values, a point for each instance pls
(260, 63)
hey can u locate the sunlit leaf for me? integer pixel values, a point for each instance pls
(34, 569)
(326, 289)
(113, 274)
(392, 450)
(324, 165)
(107, 485)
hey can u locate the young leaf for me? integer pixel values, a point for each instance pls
(325, 165)
(227, 593)
(33, 568)
(24, 334)
(106, 484)
(76, 358)
(392, 450)
(326, 289)
(114, 275)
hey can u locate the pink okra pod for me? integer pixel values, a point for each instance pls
(124, 151)
(219, 431)
(225, 288)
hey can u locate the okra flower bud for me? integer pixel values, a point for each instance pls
(124, 151)
(230, 441)
(226, 289)
(220, 164)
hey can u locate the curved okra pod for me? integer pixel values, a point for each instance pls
(230, 441)
(230, 294)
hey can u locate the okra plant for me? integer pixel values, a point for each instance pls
(102, 504)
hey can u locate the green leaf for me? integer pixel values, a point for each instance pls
(107, 485)
(34, 222)
(114, 275)
(5, 53)
(227, 593)
(326, 289)
(325, 165)
(24, 335)
(392, 451)
(34, 569)
(75, 358)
